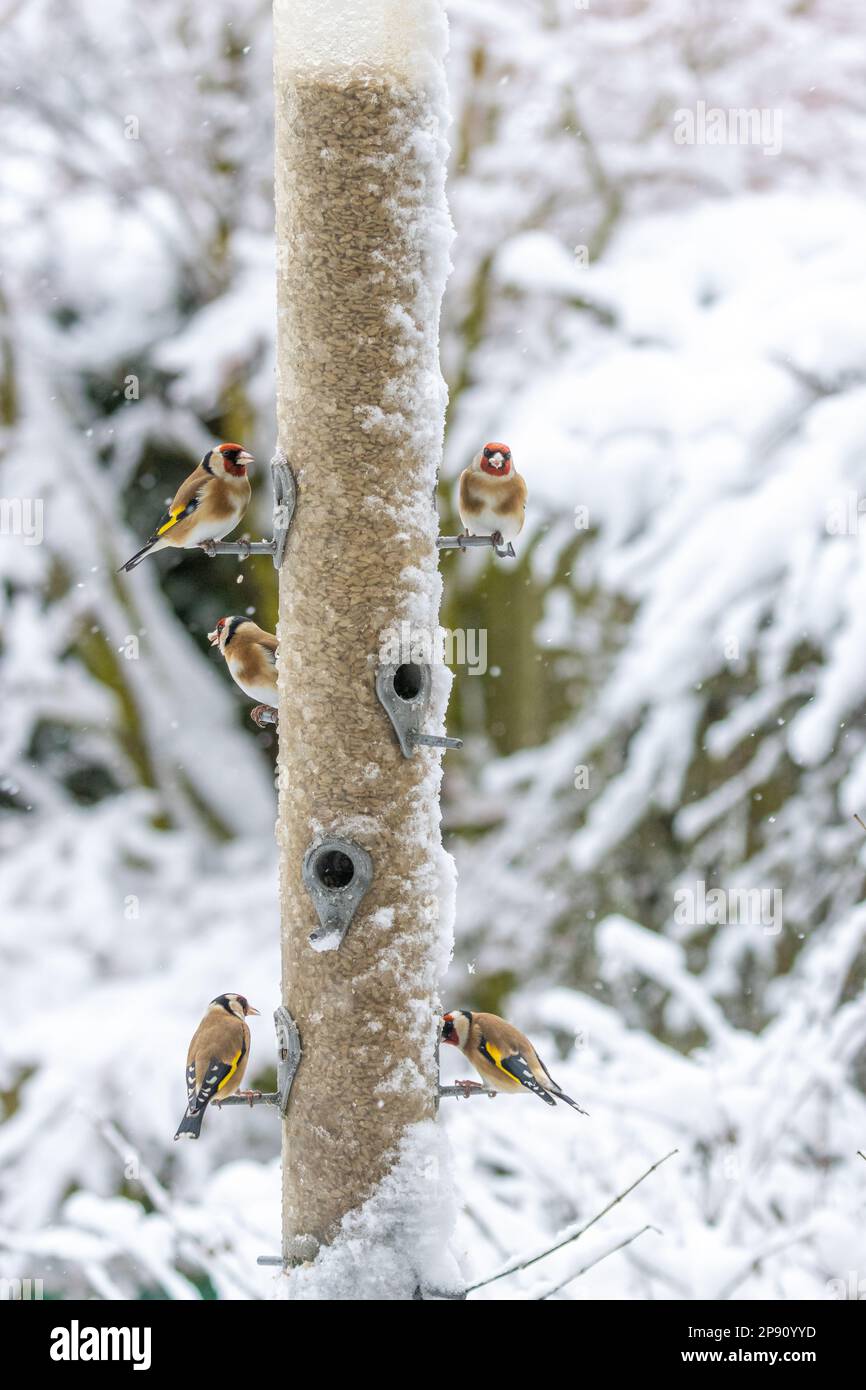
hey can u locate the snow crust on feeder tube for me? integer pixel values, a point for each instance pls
(405, 39)
(363, 237)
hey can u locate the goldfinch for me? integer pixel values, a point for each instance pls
(206, 507)
(504, 1059)
(217, 1059)
(492, 496)
(251, 656)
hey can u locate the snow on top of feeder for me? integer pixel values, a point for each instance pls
(406, 39)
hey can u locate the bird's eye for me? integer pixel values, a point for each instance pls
(488, 453)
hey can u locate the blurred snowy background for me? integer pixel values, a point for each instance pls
(671, 334)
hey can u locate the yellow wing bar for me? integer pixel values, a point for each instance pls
(174, 517)
(232, 1069)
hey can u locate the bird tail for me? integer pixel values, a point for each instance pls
(190, 1125)
(137, 558)
(560, 1095)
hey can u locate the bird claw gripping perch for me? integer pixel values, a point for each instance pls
(336, 874)
(505, 552)
(252, 1097)
(243, 547)
(404, 694)
(249, 1098)
(285, 496)
(465, 1090)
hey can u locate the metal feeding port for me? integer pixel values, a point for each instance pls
(404, 694)
(336, 874)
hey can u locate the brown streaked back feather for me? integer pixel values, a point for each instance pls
(513, 494)
(218, 1035)
(481, 491)
(222, 504)
(471, 498)
(189, 488)
(248, 634)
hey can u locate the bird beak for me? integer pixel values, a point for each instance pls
(214, 638)
(244, 457)
(251, 1010)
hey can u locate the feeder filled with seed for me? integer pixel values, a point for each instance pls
(363, 241)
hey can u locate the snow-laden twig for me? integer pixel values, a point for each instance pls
(571, 1235)
(201, 1251)
(754, 1260)
(620, 1245)
(147, 1181)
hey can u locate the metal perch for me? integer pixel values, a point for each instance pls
(505, 552)
(467, 1090)
(437, 741)
(251, 1098)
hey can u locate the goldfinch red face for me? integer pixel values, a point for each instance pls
(495, 459)
(233, 459)
(224, 631)
(455, 1029)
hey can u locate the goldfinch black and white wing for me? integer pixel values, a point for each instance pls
(516, 1066)
(217, 1075)
(554, 1089)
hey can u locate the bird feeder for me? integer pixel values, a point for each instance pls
(362, 238)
